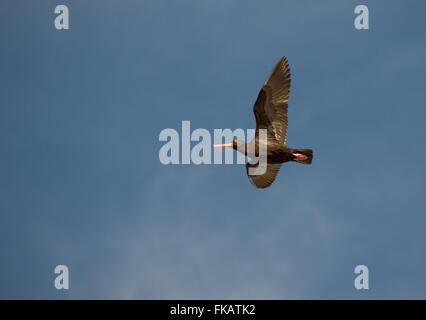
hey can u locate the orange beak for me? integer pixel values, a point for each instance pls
(223, 145)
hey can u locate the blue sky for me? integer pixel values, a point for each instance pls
(81, 183)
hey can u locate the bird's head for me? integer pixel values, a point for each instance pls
(232, 144)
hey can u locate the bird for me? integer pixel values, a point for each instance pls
(271, 113)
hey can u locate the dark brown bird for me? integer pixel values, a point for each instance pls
(270, 111)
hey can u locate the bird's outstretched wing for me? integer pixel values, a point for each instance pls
(271, 105)
(266, 179)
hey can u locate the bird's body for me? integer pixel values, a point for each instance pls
(270, 110)
(276, 153)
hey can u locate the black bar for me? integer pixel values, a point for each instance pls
(215, 309)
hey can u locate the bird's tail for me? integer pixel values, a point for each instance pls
(306, 155)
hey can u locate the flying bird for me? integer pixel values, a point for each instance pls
(270, 111)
